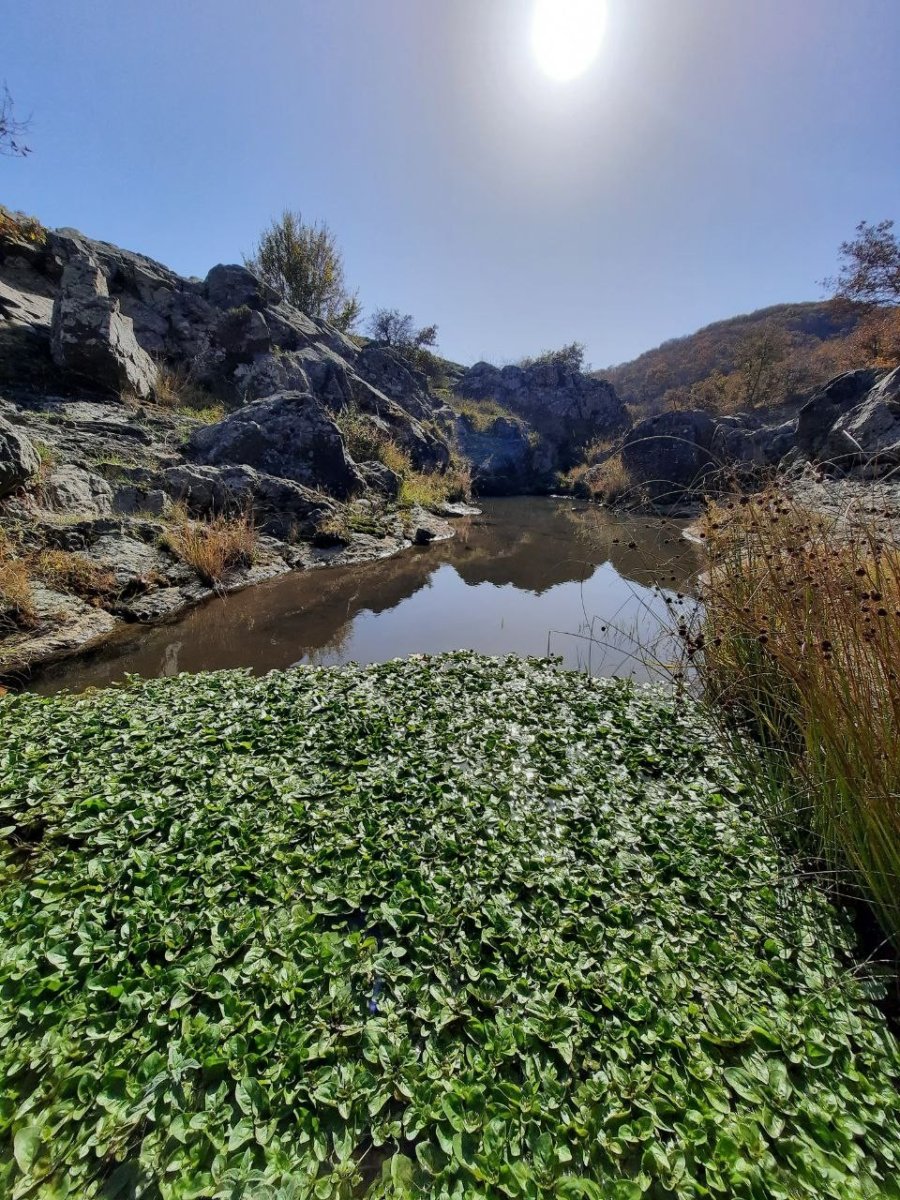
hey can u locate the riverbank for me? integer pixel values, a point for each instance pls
(464, 925)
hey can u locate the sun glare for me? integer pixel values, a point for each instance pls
(566, 35)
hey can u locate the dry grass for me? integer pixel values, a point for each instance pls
(176, 390)
(367, 442)
(610, 482)
(800, 645)
(481, 413)
(76, 573)
(213, 547)
(16, 605)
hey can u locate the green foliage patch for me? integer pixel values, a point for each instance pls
(449, 927)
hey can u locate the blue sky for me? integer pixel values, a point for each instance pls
(709, 162)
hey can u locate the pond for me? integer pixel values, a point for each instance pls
(528, 575)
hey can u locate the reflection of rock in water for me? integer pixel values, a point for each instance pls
(527, 545)
(170, 659)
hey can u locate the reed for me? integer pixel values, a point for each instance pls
(799, 644)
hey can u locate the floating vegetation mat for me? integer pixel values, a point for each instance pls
(449, 927)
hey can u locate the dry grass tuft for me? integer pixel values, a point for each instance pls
(177, 391)
(611, 481)
(16, 605)
(76, 573)
(214, 547)
(800, 644)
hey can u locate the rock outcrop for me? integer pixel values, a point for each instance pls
(91, 337)
(289, 435)
(502, 457)
(566, 408)
(818, 415)
(18, 458)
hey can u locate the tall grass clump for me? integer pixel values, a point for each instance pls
(16, 604)
(799, 643)
(213, 547)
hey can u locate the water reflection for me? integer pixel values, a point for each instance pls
(526, 574)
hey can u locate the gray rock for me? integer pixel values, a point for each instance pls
(135, 565)
(243, 334)
(501, 456)
(380, 479)
(747, 446)
(567, 408)
(391, 374)
(132, 499)
(91, 337)
(423, 527)
(280, 507)
(819, 414)
(19, 462)
(77, 492)
(868, 436)
(232, 286)
(670, 454)
(289, 435)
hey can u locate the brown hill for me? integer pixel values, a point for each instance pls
(761, 359)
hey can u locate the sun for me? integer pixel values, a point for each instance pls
(566, 35)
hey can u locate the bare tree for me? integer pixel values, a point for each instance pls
(11, 129)
(398, 329)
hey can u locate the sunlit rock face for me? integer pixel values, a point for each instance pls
(565, 407)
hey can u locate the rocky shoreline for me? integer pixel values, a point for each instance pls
(143, 415)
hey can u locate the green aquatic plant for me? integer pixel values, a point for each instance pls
(448, 927)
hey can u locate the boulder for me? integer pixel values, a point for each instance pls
(19, 462)
(90, 336)
(670, 454)
(390, 373)
(231, 286)
(820, 412)
(500, 455)
(380, 479)
(752, 446)
(289, 435)
(868, 436)
(243, 334)
(284, 509)
(423, 527)
(77, 492)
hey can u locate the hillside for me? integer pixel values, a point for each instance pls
(762, 358)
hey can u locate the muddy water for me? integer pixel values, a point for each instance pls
(526, 575)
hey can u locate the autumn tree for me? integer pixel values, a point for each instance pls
(303, 263)
(11, 129)
(870, 275)
(870, 266)
(759, 361)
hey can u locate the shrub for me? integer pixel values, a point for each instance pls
(799, 643)
(570, 357)
(213, 547)
(611, 481)
(304, 264)
(17, 227)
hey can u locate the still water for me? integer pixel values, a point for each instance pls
(527, 575)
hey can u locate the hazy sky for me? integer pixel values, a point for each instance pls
(708, 162)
